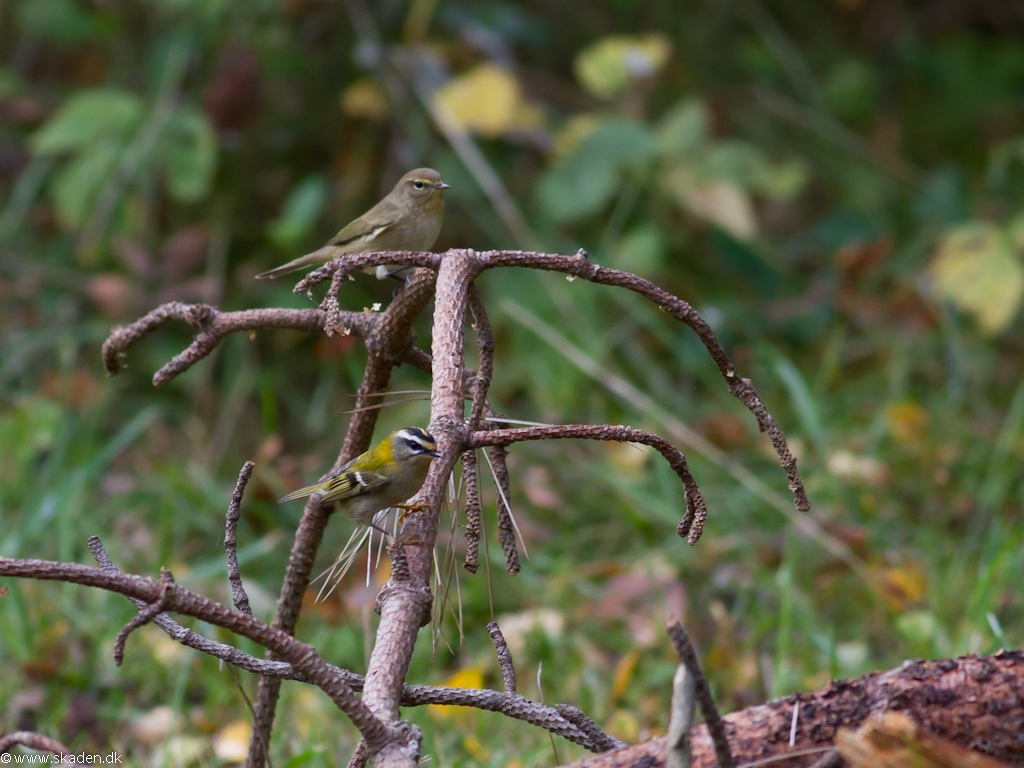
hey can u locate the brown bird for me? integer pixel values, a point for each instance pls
(408, 219)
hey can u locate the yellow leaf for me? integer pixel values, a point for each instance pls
(624, 673)
(469, 677)
(611, 65)
(849, 466)
(901, 587)
(231, 743)
(364, 99)
(724, 203)
(623, 725)
(907, 421)
(476, 749)
(627, 457)
(487, 100)
(977, 269)
(574, 132)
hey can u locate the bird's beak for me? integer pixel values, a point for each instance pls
(442, 185)
(434, 454)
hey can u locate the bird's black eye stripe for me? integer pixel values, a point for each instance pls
(415, 446)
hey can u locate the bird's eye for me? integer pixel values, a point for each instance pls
(418, 184)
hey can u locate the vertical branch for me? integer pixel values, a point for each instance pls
(506, 529)
(485, 345)
(386, 344)
(405, 603)
(238, 596)
(473, 510)
(677, 743)
(508, 671)
(716, 728)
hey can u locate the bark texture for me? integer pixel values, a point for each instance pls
(975, 702)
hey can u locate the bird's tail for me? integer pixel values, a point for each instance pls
(314, 259)
(309, 490)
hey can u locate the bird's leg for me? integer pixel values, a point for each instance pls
(419, 506)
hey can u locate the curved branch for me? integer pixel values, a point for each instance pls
(692, 524)
(36, 741)
(346, 264)
(580, 266)
(213, 325)
(181, 600)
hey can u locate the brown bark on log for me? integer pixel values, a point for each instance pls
(976, 702)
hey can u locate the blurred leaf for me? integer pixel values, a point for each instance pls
(624, 670)
(189, 153)
(683, 127)
(88, 115)
(977, 268)
(744, 164)
(78, 184)
(723, 203)
(488, 100)
(231, 743)
(364, 99)
(300, 212)
(608, 67)
(581, 184)
(57, 21)
(574, 132)
(908, 421)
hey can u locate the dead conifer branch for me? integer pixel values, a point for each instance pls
(212, 326)
(485, 346)
(471, 480)
(182, 600)
(348, 264)
(508, 671)
(32, 740)
(696, 511)
(238, 595)
(579, 265)
(144, 616)
(602, 741)
(359, 756)
(688, 656)
(388, 343)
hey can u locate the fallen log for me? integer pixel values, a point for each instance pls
(975, 702)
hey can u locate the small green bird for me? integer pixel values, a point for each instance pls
(408, 219)
(383, 477)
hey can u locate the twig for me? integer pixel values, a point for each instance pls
(497, 458)
(144, 616)
(693, 522)
(687, 655)
(485, 346)
(36, 741)
(181, 600)
(508, 671)
(238, 596)
(677, 743)
(473, 510)
(213, 325)
(602, 741)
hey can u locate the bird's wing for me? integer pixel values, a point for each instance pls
(344, 485)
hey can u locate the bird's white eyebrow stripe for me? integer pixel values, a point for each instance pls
(418, 438)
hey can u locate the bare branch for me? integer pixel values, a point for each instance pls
(832, 760)
(485, 346)
(508, 672)
(580, 266)
(238, 596)
(473, 511)
(602, 741)
(143, 617)
(388, 343)
(696, 512)
(36, 741)
(348, 264)
(181, 600)
(213, 325)
(498, 457)
(687, 655)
